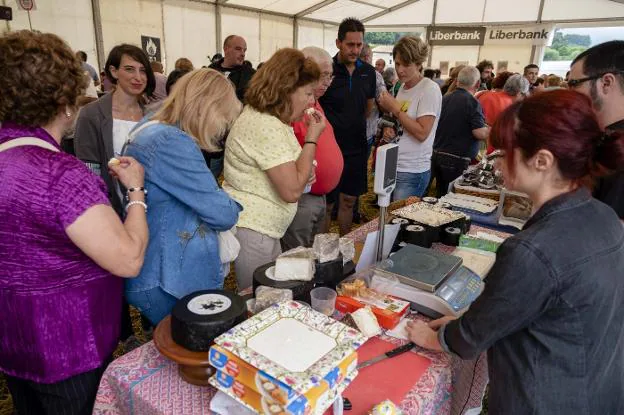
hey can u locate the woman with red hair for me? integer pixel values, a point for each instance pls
(550, 314)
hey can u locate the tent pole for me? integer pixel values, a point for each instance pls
(539, 20)
(97, 30)
(219, 35)
(295, 33)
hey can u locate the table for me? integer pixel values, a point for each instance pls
(463, 383)
(144, 382)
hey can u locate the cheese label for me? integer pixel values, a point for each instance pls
(209, 304)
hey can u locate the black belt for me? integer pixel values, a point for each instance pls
(442, 153)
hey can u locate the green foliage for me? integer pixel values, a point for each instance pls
(566, 47)
(385, 38)
(552, 55)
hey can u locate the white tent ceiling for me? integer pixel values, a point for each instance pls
(388, 13)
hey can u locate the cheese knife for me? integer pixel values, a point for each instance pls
(394, 352)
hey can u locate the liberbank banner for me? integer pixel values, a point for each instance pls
(540, 35)
(456, 36)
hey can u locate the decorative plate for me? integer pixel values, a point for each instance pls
(293, 343)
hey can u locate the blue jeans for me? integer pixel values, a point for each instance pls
(155, 304)
(411, 184)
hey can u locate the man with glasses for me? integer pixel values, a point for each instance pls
(347, 103)
(598, 73)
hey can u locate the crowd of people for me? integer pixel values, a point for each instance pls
(136, 213)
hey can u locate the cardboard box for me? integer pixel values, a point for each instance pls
(388, 314)
(265, 405)
(264, 384)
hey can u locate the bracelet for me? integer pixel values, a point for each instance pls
(137, 202)
(137, 189)
(310, 142)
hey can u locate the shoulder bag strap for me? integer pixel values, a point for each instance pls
(27, 141)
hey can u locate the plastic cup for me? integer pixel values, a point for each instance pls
(324, 300)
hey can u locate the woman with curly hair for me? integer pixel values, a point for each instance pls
(266, 169)
(61, 243)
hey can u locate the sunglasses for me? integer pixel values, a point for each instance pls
(573, 83)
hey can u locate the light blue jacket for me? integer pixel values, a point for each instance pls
(186, 209)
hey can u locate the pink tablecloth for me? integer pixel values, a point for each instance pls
(144, 382)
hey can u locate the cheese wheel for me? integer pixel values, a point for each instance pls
(198, 318)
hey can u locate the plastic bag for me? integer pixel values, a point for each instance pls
(229, 247)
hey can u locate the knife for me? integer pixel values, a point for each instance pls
(394, 352)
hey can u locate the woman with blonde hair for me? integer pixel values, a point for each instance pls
(416, 109)
(266, 169)
(187, 206)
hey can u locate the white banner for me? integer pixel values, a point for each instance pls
(540, 35)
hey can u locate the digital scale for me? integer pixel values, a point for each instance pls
(436, 284)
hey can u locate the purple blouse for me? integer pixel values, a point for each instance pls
(59, 311)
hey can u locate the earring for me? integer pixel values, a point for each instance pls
(68, 113)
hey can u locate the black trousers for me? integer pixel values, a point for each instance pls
(73, 396)
(445, 168)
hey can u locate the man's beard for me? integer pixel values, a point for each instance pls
(596, 100)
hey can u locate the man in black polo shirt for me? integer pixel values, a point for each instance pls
(347, 103)
(461, 127)
(232, 65)
(598, 73)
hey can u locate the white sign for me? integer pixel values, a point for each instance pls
(541, 35)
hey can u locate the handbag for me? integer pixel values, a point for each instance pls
(229, 247)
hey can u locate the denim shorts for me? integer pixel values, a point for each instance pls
(411, 184)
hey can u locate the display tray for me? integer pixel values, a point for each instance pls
(422, 268)
(472, 203)
(427, 214)
(293, 343)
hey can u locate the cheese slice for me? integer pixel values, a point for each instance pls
(366, 322)
(295, 265)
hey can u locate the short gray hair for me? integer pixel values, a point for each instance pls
(318, 55)
(516, 84)
(389, 75)
(468, 77)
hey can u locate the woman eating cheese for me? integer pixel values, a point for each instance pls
(266, 169)
(550, 317)
(188, 208)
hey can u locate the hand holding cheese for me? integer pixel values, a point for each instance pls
(128, 171)
(316, 124)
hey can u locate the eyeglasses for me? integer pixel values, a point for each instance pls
(573, 83)
(327, 77)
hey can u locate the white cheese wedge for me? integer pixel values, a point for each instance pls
(366, 322)
(295, 265)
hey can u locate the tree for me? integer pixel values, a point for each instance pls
(566, 47)
(551, 55)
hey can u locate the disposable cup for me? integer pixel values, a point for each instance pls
(324, 300)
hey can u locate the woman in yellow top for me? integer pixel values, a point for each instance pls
(266, 169)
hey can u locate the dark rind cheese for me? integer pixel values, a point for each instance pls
(300, 289)
(200, 317)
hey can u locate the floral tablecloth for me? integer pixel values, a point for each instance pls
(146, 383)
